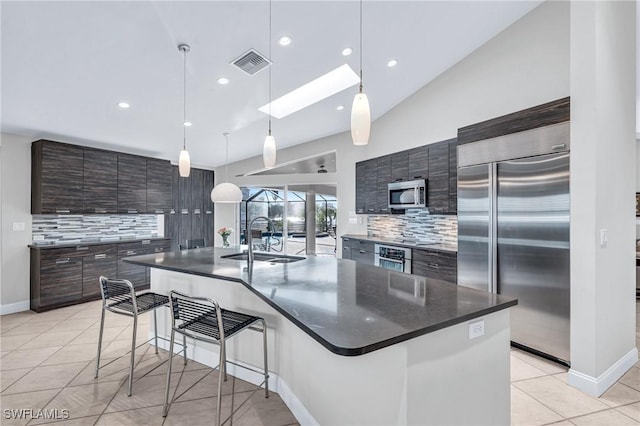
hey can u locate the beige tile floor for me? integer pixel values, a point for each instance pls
(47, 361)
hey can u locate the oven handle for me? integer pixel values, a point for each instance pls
(391, 260)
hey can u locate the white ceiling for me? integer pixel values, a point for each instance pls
(66, 65)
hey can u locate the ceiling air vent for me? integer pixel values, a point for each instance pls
(251, 62)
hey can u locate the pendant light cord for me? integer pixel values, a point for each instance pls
(270, 67)
(184, 98)
(226, 157)
(360, 46)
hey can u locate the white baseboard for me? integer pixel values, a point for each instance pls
(276, 384)
(596, 386)
(12, 308)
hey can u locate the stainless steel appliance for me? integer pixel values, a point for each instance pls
(513, 231)
(407, 195)
(390, 257)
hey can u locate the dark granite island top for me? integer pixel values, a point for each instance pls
(349, 308)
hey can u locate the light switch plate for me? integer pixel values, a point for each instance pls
(18, 226)
(476, 329)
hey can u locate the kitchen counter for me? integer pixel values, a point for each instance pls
(93, 242)
(393, 345)
(348, 307)
(446, 247)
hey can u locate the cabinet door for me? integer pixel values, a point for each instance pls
(209, 229)
(56, 178)
(453, 176)
(135, 273)
(171, 229)
(100, 192)
(184, 228)
(196, 205)
(400, 166)
(360, 185)
(383, 179)
(184, 194)
(159, 176)
(418, 163)
(132, 184)
(371, 186)
(101, 260)
(362, 256)
(346, 252)
(60, 277)
(175, 189)
(197, 227)
(160, 246)
(438, 184)
(207, 186)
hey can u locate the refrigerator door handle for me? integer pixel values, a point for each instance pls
(493, 228)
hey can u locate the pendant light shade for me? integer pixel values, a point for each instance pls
(184, 161)
(360, 120)
(226, 192)
(269, 147)
(360, 111)
(269, 152)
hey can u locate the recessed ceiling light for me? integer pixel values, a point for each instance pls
(340, 107)
(123, 105)
(392, 63)
(314, 91)
(347, 51)
(284, 41)
(223, 80)
(187, 124)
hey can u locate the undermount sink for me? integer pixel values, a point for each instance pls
(264, 257)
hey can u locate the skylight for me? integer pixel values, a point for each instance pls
(314, 91)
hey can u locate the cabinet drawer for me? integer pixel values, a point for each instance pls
(160, 246)
(60, 279)
(363, 245)
(363, 256)
(435, 264)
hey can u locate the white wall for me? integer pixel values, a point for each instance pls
(603, 152)
(15, 203)
(525, 65)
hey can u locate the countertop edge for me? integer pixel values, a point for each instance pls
(339, 350)
(432, 247)
(94, 243)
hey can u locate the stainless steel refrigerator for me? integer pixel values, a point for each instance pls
(513, 231)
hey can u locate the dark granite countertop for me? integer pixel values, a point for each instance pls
(452, 248)
(348, 307)
(93, 242)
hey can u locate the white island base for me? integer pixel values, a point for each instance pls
(439, 378)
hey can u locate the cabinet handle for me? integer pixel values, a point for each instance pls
(158, 211)
(131, 252)
(172, 211)
(196, 211)
(209, 212)
(100, 256)
(82, 248)
(433, 265)
(100, 211)
(146, 241)
(158, 249)
(362, 251)
(346, 239)
(559, 146)
(345, 248)
(185, 211)
(63, 211)
(370, 210)
(132, 211)
(60, 261)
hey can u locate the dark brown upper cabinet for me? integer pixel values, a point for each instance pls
(399, 166)
(57, 173)
(100, 191)
(132, 184)
(207, 186)
(196, 203)
(159, 175)
(438, 184)
(418, 163)
(360, 184)
(382, 186)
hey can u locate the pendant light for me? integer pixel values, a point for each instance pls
(184, 161)
(226, 192)
(360, 111)
(269, 148)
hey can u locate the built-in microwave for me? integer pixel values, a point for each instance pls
(408, 195)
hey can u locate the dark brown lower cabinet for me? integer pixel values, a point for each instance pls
(59, 280)
(69, 275)
(435, 264)
(99, 261)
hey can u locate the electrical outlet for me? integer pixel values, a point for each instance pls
(476, 329)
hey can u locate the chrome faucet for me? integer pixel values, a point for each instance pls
(250, 239)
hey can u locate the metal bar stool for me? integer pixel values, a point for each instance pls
(200, 319)
(119, 297)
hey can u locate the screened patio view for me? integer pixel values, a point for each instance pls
(290, 236)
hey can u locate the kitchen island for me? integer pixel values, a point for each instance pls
(352, 343)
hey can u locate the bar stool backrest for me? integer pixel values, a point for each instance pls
(116, 291)
(196, 316)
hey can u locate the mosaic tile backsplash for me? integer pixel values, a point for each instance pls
(415, 224)
(70, 229)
